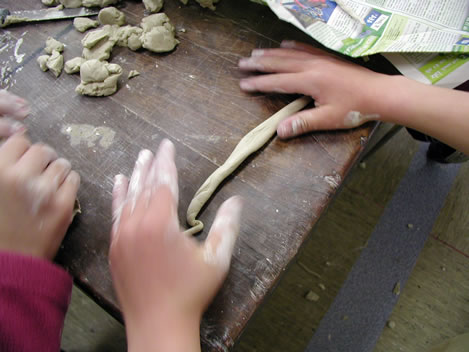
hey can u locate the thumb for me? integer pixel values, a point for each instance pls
(218, 246)
(324, 117)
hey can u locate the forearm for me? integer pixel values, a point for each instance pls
(164, 332)
(438, 112)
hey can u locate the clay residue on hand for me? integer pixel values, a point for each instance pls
(89, 135)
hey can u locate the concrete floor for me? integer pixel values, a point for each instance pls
(433, 306)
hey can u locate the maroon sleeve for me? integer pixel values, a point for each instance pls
(34, 297)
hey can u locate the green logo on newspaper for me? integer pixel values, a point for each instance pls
(442, 65)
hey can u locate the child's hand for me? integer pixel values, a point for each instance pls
(164, 279)
(12, 109)
(340, 89)
(38, 192)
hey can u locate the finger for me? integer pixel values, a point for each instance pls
(139, 176)
(13, 149)
(164, 172)
(273, 64)
(119, 195)
(13, 106)
(221, 239)
(35, 160)
(56, 173)
(298, 46)
(324, 117)
(279, 83)
(281, 52)
(67, 193)
(9, 127)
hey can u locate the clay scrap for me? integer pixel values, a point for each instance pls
(55, 60)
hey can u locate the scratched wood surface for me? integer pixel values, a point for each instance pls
(190, 96)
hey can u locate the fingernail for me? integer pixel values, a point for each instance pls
(284, 129)
(257, 52)
(21, 109)
(297, 127)
(247, 85)
(65, 163)
(74, 177)
(119, 180)
(287, 44)
(17, 128)
(245, 63)
(168, 146)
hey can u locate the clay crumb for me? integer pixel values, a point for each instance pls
(397, 288)
(410, 226)
(182, 30)
(322, 287)
(133, 73)
(391, 324)
(82, 24)
(312, 296)
(362, 165)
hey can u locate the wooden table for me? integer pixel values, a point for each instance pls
(192, 97)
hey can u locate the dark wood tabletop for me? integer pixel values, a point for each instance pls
(192, 97)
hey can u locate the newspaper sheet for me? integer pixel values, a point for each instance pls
(432, 36)
(364, 27)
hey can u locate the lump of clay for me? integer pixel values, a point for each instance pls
(98, 78)
(204, 3)
(82, 24)
(129, 36)
(159, 40)
(42, 61)
(53, 45)
(98, 44)
(156, 20)
(158, 33)
(54, 62)
(73, 65)
(153, 5)
(71, 4)
(50, 2)
(111, 15)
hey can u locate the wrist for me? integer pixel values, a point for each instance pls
(163, 331)
(390, 98)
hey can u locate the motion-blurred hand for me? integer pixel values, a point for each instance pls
(344, 93)
(38, 192)
(163, 278)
